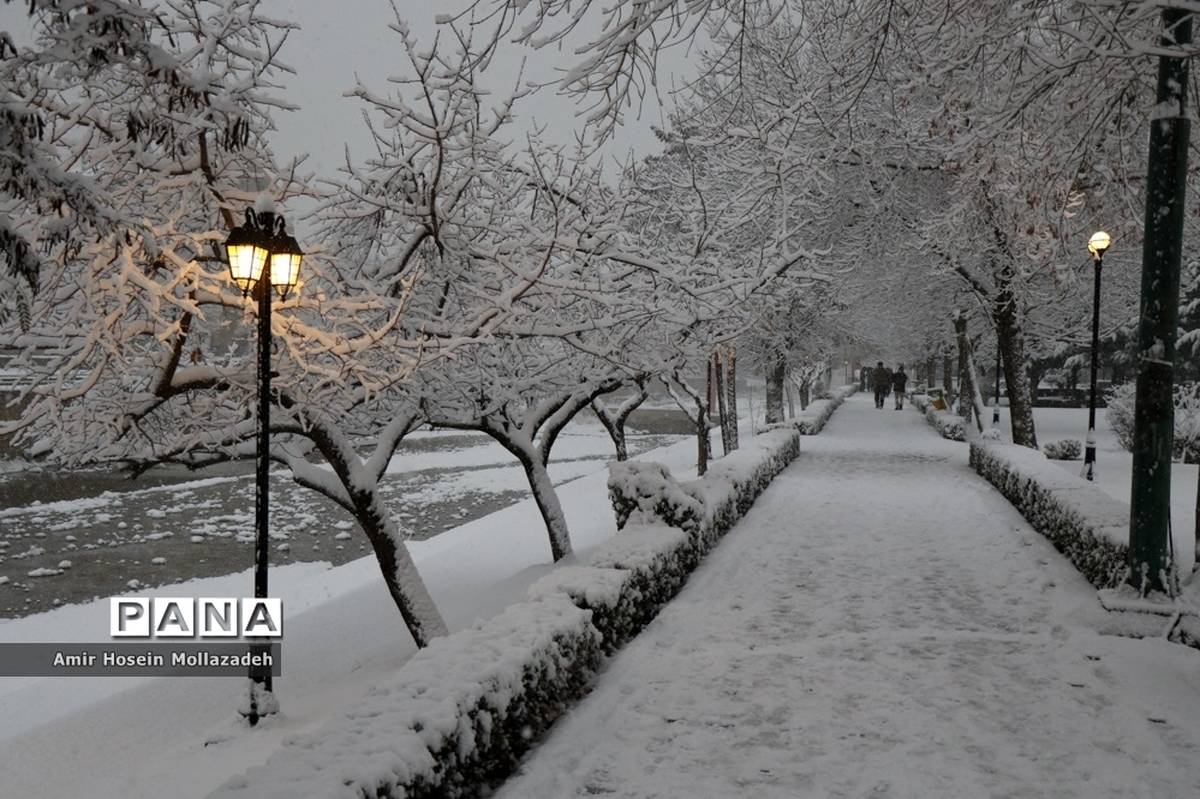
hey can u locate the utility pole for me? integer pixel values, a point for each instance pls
(1154, 415)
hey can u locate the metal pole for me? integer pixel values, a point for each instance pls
(996, 401)
(1089, 458)
(262, 676)
(1154, 410)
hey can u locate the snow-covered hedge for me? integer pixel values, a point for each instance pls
(648, 489)
(812, 419)
(615, 595)
(1068, 449)
(947, 424)
(457, 716)
(1083, 522)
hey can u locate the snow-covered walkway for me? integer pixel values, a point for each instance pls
(882, 623)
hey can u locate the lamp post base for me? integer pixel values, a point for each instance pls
(259, 702)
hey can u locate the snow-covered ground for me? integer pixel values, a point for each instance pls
(96, 541)
(131, 737)
(1114, 469)
(882, 623)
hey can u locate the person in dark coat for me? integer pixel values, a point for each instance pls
(899, 381)
(880, 382)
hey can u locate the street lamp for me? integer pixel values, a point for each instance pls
(260, 248)
(1097, 245)
(996, 401)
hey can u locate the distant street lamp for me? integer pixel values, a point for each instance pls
(262, 248)
(1097, 245)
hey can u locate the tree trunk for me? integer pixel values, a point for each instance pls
(702, 443)
(731, 388)
(614, 421)
(976, 396)
(722, 401)
(1196, 562)
(400, 574)
(804, 395)
(930, 372)
(548, 505)
(948, 375)
(1016, 378)
(1035, 378)
(616, 432)
(775, 377)
(787, 390)
(965, 388)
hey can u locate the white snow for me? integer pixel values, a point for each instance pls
(881, 623)
(343, 636)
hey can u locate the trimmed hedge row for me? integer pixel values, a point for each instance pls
(1078, 518)
(459, 714)
(457, 717)
(812, 419)
(947, 424)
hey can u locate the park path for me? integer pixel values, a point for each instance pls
(882, 623)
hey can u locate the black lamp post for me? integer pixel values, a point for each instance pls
(1097, 244)
(262, 248)
(996, 401)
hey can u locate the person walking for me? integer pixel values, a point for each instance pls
(880, 382)
(864, 378)
(899, 381)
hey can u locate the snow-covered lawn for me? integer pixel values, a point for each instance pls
(204, 527)
(128, 737)
(1114, 469)
(882, 623)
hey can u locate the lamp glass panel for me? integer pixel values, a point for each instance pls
(285, 271)
(245, 263)
(1099, 242)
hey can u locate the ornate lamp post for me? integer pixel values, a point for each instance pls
(1097, 245)
(262, 256)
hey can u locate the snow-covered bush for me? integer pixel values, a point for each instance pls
(947, 424)
(1083, 522)
(1187, 418)
(1119, 413)
(812, 419)
(613, 595)
(658, 559)
(1068, 449)
(456, 717)
(648, 490)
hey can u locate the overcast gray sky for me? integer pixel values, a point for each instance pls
(339, 38)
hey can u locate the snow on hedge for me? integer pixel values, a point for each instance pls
(947, 424)
(456, 716)
(647, 489)
(812, 419)
(1083, 522)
